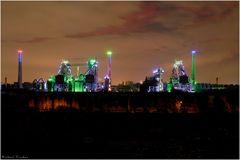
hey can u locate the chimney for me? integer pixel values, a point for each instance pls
(20, 68)
(193, 67)
(6, 81)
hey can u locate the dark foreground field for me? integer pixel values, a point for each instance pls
(76, 134)
(119, 135)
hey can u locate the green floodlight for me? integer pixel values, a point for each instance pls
(65, 61)
(91, 62)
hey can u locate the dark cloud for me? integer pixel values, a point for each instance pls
(207, 12)
(133, 22)
(162, 17)
(157, 27)
(34, 40)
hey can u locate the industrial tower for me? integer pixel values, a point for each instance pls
(108, 78)
(20, 68)
(193, 69)
(157, 75)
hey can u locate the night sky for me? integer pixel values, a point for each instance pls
(141, 35)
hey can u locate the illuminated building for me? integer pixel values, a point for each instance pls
(157, 77)
(64, 81)
(39, 84)
(153, 83)
(91, 76)
(179, 79)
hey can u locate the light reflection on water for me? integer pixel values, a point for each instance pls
(47, 103)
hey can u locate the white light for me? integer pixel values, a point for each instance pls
(106, 77)
(155, 71)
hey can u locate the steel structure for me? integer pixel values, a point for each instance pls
(91, 76)
(157, 86)
(39, 84)
(65, 81)
(179, 79)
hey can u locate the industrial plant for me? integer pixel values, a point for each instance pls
(64, 80)
(87, 80)
(178, 80)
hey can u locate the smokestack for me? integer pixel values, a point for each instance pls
(20, 68)
(6, 81)
(109, 54)
(216, 80)
(193, 67)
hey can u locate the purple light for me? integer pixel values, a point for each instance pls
(155, 71)
(193, 52)
(106, 77)
(20, 55)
